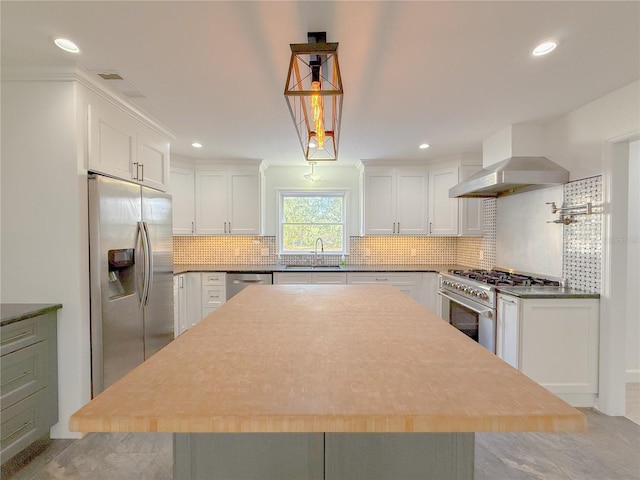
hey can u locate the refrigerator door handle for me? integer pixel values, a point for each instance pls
(149, 272)
(145, 259)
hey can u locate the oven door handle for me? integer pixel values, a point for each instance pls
(465, 303)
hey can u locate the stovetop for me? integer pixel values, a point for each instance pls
(503, 278)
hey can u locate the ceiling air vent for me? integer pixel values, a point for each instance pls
(117, 82)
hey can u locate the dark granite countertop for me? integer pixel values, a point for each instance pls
(14, 312)
(546, 292)
(282, 268)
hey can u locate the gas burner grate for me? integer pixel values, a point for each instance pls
(501, 278)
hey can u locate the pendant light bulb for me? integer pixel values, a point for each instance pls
(317, 113)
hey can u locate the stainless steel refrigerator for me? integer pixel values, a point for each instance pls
(131, 272)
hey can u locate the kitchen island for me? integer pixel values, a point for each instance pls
(339, 381)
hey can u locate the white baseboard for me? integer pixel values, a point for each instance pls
(632, 376)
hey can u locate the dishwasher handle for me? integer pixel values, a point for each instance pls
(238, 282)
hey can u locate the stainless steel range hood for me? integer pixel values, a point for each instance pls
(513, 175)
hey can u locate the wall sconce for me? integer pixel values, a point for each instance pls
(314, 96)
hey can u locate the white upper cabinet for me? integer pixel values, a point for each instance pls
(217, 200)
(211, 203)
(395, 201)
(443, 211)
(453, 216)
(471, 216)
(122, 146)
(153, 159)
(183, 205)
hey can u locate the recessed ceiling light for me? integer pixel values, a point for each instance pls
(66, 45)
(423, 146)
(196, 145)
(544, 48)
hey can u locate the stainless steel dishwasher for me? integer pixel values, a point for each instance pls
(238, 281)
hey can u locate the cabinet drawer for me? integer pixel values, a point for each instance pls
(292, 278)
(329, 278)
(213, 296)
(23, 373)
(391, 278)
(213, 278)
(23, 423)
(26, 332)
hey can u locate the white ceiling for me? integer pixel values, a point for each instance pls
(447, 73)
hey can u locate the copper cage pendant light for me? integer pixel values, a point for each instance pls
(314, 95)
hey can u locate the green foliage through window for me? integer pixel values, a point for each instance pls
(306, 216)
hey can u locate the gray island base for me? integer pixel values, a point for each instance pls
(344, 456)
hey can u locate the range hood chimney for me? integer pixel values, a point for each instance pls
(513, 162)
(513, 175)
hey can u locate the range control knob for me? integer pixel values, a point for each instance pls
(484, 296)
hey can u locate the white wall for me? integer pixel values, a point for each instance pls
(333, 177)
(44, 254)
(633, 266)
(577, 140)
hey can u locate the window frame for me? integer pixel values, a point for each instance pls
(343, 193)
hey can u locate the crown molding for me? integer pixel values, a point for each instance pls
(72, 72)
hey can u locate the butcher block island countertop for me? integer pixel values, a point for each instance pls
(335, 358)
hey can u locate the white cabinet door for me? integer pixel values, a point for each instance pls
(244, 203)
(194, 298)
(153, 159)
(123, 147)
(409, 283)
(309, 278)
(183, 205)
(379, 203)
(112, 141)
(471, 209)
(507, 330)
(411, 190)
(211, 202)
(328, 278)
(292, 278)
(443, 211)
(559, 346)
(430, 297)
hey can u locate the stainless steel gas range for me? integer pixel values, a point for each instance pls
(469, 299)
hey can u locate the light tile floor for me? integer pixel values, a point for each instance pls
(608, 450)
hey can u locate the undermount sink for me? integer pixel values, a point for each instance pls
(312, 267)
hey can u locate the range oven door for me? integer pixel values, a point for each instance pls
(471, 318)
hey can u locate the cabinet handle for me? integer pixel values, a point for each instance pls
(430, 227)
(142, 170)
(193, 227)
(381, 279)
(398, 227)
(225, 227)
(181, 282)
(508, 301)
(394, 227)
(135, 175)
(229, 227)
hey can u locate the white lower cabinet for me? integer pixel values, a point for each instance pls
(429, 293)
(309, 278)
(553, 341)
(214, 291)
(194, 298)
(409, 283)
